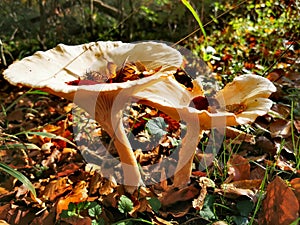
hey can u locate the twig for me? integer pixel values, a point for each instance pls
(2, 59)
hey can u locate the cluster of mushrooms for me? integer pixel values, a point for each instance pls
(239, 102)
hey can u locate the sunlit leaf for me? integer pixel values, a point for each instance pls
(280, 205)
(125, 205)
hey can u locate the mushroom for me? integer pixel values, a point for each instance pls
(247, 97)
(54, 70)
(240, 102)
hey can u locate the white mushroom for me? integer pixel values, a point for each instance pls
(249, 93)
(247, 97)
(52, 70)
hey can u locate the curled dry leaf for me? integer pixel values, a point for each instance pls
(75, 220)
(236, 189)
(280, 205)
(204, 183)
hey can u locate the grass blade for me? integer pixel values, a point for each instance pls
(49, 135)
(18, 176)
(195, 14)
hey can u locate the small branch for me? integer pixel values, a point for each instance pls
(2, 59)
(112, 11)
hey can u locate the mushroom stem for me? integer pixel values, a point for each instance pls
(186, 155)
(131, 173)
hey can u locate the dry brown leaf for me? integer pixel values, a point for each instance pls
(177, 210)
(283, 164)
(3, 191)
(46, 217)
(160, 221)
(52, 159)
(266, 145)
(240, 188)
(79, 194)
(295, 183)
(280, 205)
(257, 173)
(173, 195)
(204, 183)
(280, 128)
(56, 188)
(219, 223)
(107, 186)
(68, 169)
(75, 220)
(4, 209)
(239, 136)
(282, 110)
(238, 168)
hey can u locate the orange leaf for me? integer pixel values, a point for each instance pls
(79, 194)
(280, 205)
(56, 188)
(296, 188)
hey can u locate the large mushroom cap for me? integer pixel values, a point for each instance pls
(50, 70)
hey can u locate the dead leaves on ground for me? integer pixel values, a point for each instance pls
(57, 171)
(280, 206)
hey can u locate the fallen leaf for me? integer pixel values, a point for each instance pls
(281, 110)
(173, 195)
(240, 188)
(280, 205)
(4, 210)
(266, 145)
(239, 136)
(280, 128)
(160, 221)
(295, 183)
(68, 169)
(75, 220)
(297, 125)
(283, 164)
(238, 168)
(52, 159)
(79, 194)
(56, 188)
(204, 183)
(257, 173)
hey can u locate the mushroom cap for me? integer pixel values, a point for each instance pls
(249, 91)
(50, 70)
